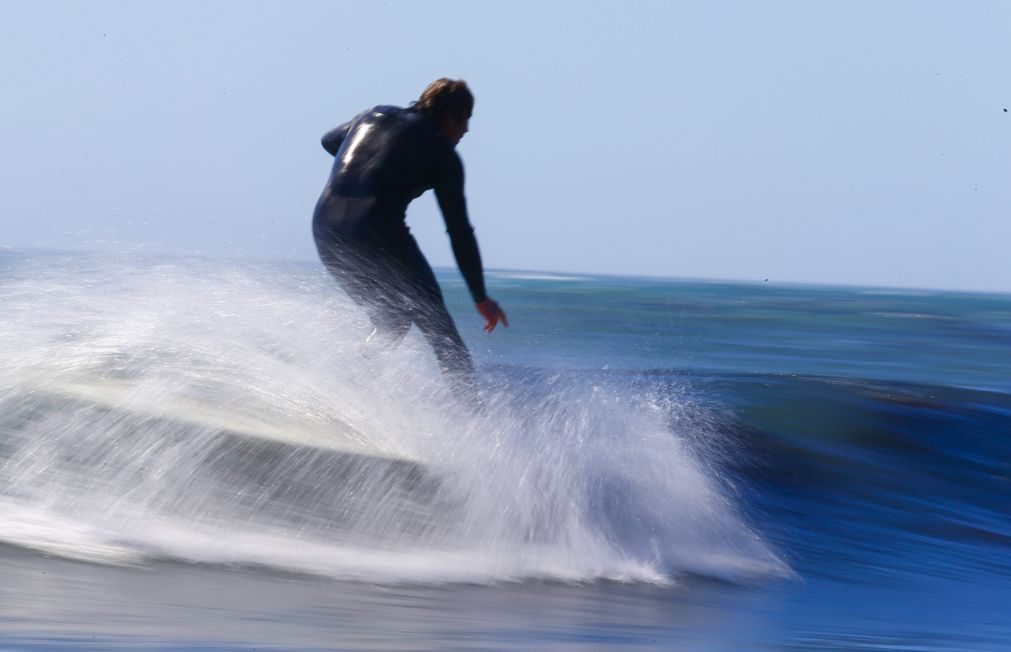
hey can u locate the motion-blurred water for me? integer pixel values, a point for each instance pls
(649, 464)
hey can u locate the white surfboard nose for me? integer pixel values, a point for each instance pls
(243, 419)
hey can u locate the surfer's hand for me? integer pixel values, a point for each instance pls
(492, 313)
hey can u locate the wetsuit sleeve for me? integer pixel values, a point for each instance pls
(332, 139)
(449, 193)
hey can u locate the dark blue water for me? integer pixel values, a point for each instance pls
(661, 464)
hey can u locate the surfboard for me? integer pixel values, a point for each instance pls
(244, 420)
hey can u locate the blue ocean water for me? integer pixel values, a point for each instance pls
(654, 464)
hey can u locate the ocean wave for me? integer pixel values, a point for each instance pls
(554, 477)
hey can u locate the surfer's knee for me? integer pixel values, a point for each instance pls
(386, 337)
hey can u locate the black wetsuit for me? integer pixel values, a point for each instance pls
(384, 158)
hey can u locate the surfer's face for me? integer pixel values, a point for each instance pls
(454, 128)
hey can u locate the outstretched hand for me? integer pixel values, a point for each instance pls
(492, 313)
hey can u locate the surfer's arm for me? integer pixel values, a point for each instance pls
(332, 139)
(449, 193)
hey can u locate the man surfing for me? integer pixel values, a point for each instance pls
(384, 158)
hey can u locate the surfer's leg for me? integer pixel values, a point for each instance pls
(436, 324)
(429, 312)
(388, 326)
(396, 287)
(368, 280)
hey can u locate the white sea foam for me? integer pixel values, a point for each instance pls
(554, 476)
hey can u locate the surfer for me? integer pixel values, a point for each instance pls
(384, 158)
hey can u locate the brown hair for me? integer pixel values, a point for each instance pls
(446, 97)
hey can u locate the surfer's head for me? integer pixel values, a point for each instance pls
(449, 103)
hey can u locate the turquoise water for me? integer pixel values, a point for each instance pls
(656, 464)
(641, 324)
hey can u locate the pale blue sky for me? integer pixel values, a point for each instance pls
(847, 142)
